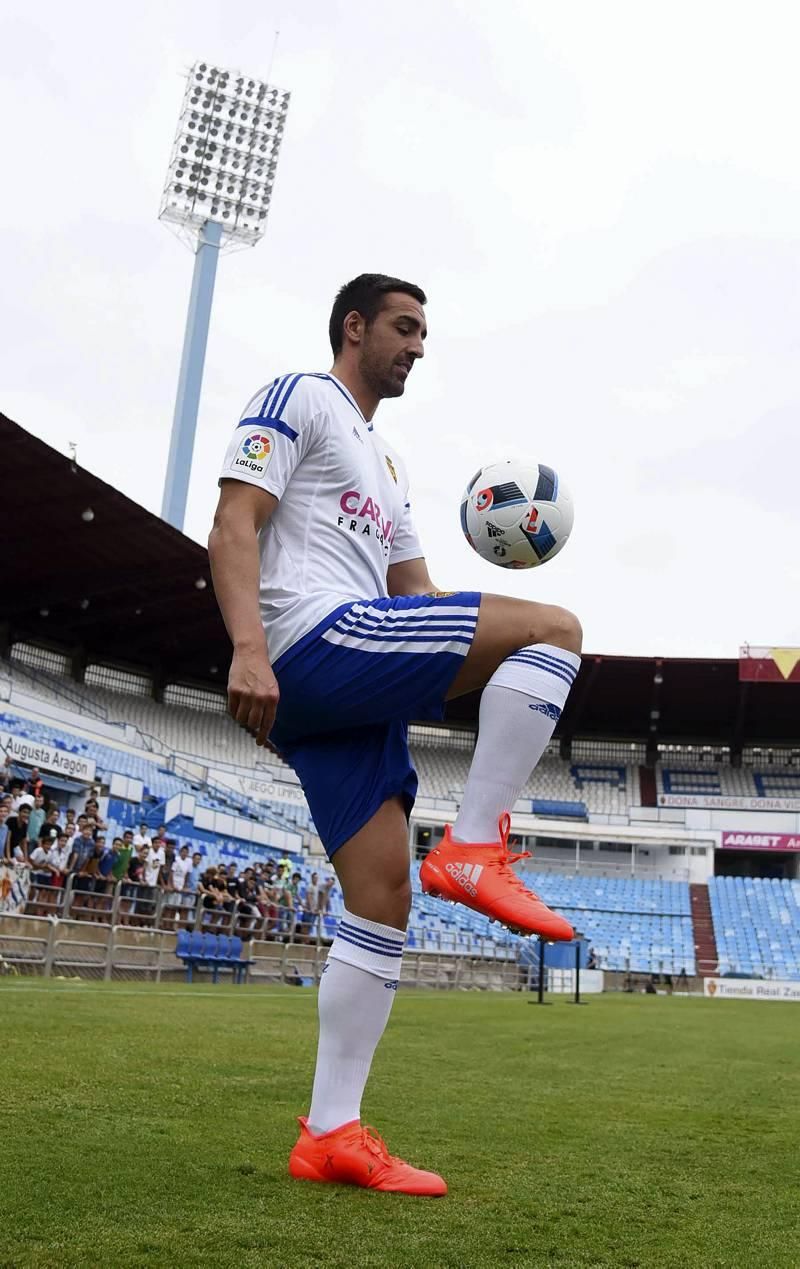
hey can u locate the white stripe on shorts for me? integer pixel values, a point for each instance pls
(433, 625)
(377, 643)
(433, 613)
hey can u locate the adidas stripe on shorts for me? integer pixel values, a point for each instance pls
(348, 690)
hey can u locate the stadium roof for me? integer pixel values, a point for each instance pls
(145, 611)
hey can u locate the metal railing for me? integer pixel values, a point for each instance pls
(71, 948)
(124, 903)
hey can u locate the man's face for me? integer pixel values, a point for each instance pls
(127, 839)
(86, 832)
(52, 817)
(184, 852)
(196, 860)
(3, 813)
(314, 878)
(391, 345)
(24, 814)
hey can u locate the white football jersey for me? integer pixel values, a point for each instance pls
(343, 515)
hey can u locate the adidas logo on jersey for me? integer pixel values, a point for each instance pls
(466, 876)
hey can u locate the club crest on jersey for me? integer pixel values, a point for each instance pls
(391, 466)
(255, 452)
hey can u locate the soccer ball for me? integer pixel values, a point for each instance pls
(516, 514)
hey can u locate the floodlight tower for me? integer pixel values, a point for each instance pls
(218, 192)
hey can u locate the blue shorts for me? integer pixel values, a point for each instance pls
(348, 690)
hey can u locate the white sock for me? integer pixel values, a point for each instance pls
(356, 994)
(520, 706)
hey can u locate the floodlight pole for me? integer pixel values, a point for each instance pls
(190, 380)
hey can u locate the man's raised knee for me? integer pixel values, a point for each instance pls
(557, 626)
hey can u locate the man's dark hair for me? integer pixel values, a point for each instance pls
(364, 295)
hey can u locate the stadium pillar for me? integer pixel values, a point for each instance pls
(577, 997)
(540, 1000)
(190, 379)
(77, 665)
(158, 683)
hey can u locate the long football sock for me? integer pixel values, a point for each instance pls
(356, 994)
(520, 706)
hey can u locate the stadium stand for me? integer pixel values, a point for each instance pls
(756, 926)
(641, 926)
(634, 925)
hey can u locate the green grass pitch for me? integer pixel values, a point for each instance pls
(150, 1125)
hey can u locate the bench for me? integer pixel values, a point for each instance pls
(211, 951)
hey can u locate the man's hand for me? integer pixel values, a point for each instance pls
(253, 693)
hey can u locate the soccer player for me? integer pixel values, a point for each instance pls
(339, 638)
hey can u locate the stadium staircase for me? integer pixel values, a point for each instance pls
(705, 944)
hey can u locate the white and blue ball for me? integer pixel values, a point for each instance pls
(516, 514)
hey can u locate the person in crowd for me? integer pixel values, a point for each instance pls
(75, 829)
(19, 795)
(16, 842)
(194, 874)
(36, 820)
(315, 904)
(191, 888)
(591, 960)
(92, 810)
(146, 903)
(283, 900)
(104, 881)
(92, 872)
(142, 837)
(35, 782)
(178, 872)
(268, 902)
(122, 849)
(82, 847)
(169, 858)
(214, 891)
(83, 866)
(52, 818)
(58, 858)
(131, 886)
(247, 905)
(41, 875)
(70, 825)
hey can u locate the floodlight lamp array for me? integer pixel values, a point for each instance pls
(225, 154)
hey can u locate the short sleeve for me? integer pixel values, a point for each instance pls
(405, 544)
(275, 432)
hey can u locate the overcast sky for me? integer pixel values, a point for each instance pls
(602, 202)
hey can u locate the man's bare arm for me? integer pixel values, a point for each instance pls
(235, 568)
(409, 578)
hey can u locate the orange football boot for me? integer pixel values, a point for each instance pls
(356, 1155)
(481, 877)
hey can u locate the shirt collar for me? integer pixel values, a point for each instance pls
(347, 393)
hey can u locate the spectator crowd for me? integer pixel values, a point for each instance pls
(150, 875)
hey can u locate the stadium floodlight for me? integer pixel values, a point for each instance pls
(218, 194)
